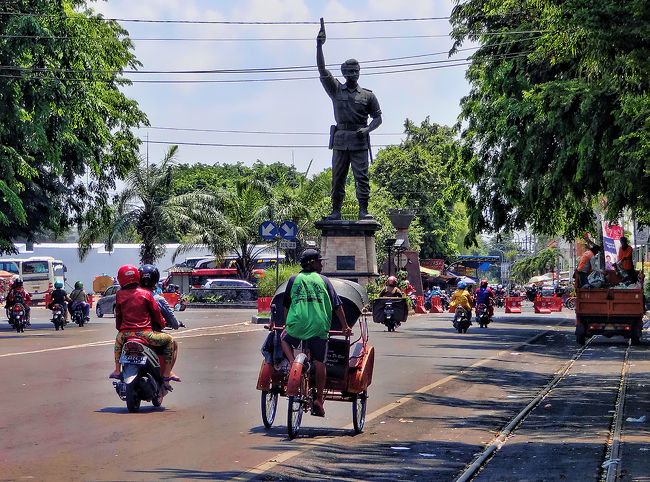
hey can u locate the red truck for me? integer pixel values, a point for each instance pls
(609, 312)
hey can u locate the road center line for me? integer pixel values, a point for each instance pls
(198, 332)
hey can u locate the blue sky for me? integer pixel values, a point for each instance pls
(298, 106)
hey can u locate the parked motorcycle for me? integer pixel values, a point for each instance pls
(140, 378)
(462, 319)
(58, 316)
(483, 315)
(444, 301)
(18, 317)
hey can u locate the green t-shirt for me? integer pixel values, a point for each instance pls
(310, 312)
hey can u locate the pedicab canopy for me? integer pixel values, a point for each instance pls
(352, 294)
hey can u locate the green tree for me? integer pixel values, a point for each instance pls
(557, 115)
(65, 127)
(143, 207)
(415, 173)
(226, 221)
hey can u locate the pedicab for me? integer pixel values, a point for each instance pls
(350, 363)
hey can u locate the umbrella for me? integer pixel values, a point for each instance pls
(540, 279)
(6, 274)
(429, 271)
(353, 296)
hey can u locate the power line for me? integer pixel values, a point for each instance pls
(263, 39)
(223, 22)
(257, 146)
(230, 131)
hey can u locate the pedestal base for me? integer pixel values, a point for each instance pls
(349, 249)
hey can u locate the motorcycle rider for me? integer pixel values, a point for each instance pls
(309, 302)
(149, 276)
(484, 295)
(78, 297)
(462, 298)
(136, 311)
(59, 297)
(17, 294)
(391, 290)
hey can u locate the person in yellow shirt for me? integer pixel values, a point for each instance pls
(461, 297)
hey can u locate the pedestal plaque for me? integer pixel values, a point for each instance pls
(349, 249)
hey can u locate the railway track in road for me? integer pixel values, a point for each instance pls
(610, 468)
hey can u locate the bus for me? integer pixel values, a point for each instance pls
(39, 273)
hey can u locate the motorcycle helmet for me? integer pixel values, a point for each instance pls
(461, 285)
(127, 275)
(149, 276)
(18, 282)
(484, 283)
(58, 285)
(78, 285)
(391, 281)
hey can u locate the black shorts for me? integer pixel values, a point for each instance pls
(316, 346)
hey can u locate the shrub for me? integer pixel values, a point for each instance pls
(266, 284)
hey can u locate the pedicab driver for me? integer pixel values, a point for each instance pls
(309, 300)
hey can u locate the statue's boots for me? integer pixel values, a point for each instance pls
(363, 210)
(336, 212)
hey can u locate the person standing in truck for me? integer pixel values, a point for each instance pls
(625, 258)
(586, 265)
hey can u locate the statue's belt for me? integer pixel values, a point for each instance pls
(348, 126)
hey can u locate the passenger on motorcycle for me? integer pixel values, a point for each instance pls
(309, 301)
(17, 294)
(79, 298)
(485, 296)
(59, 297)
(461, 297)
(136, 311)
(391, 290)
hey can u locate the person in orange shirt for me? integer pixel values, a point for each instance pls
(625, 258)
(587, 264)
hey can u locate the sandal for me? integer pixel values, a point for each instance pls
(168, 387)
(173, 378)
(113, 375)
(318, 411)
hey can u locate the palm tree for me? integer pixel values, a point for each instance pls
(143, 206)
(226, 221)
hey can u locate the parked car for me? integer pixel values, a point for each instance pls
(235, 289)
(106, 304)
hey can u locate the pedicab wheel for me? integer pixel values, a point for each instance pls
(269, 407)
(132, 399)
(359, 403)
(294, 416)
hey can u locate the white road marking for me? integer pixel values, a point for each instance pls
(189, 333)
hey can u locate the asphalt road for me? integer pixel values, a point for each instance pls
(436, 394)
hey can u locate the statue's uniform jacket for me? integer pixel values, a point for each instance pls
(351, 110)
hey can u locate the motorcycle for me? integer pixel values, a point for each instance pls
(18, 317)
(483, 315)
(462, 319)
(444, 301)
(58, 316)
(500, 301)
(390, 311)
(140, 377)
(78, 315)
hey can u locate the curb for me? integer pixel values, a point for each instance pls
(243, 306)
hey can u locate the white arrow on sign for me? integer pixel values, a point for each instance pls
(268, 229)
(289, 231)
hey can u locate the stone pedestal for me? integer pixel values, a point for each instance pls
(349, 247)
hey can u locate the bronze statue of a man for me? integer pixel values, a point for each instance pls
(349, 138)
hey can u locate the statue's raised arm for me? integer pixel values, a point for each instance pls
(320, 40)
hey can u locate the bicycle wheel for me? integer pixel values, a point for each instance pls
(269, 407)
(571, 303)
(297, 404)
(359, 404)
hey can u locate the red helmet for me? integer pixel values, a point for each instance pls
(391, 281)
(484, 283)
(128, 274)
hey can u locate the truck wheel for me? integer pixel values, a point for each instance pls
(636, 333)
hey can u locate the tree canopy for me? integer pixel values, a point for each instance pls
(416, 175)
(65, 127)
(558, 115)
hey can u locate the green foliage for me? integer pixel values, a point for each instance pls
(414, 175)
(541, 263)
(143, 206)
(557, 115)
(65, 128)
(266, 285)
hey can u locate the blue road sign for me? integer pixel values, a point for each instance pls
(268, 230)
(288, 230)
